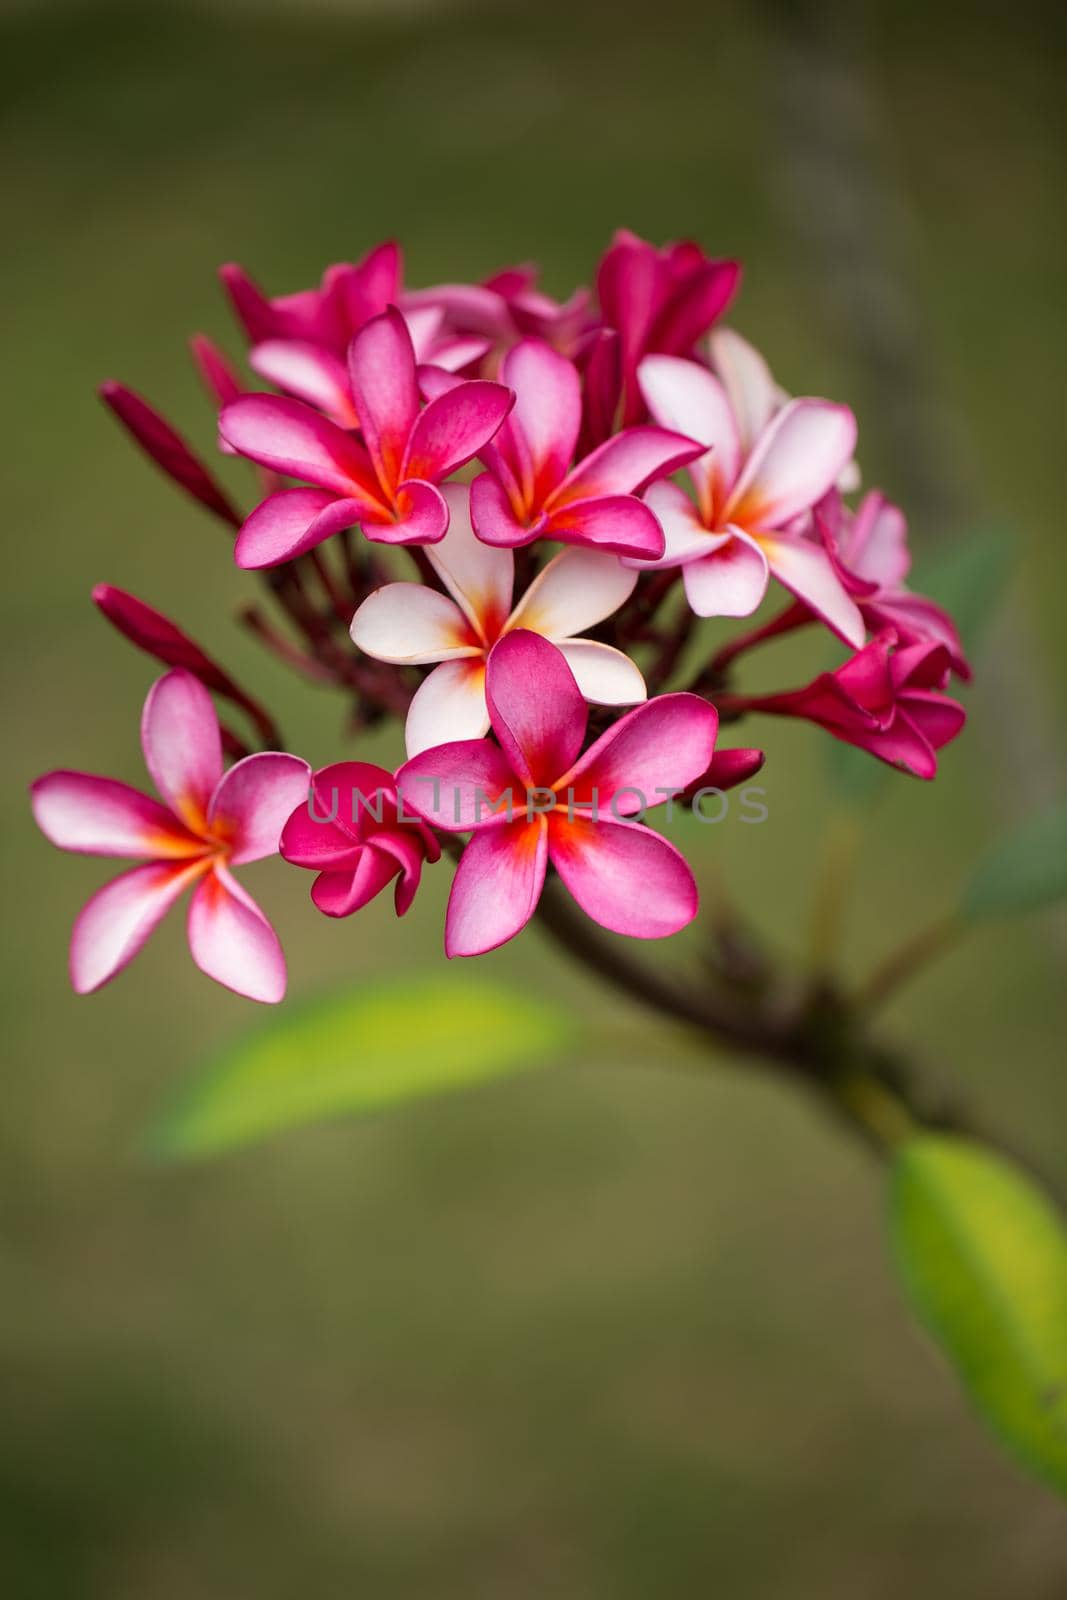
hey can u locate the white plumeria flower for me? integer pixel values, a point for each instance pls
(410, 624)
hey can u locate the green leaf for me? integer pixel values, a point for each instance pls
(358, 1051)
(1024, 870)
(984, 1258)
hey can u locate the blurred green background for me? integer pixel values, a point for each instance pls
(612, 1330)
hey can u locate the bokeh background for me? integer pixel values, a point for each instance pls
(610, 1330)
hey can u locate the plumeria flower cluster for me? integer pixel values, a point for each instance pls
(498, 519)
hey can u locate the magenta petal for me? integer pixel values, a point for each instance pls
(381, 370)
(496, 888)
(691, 312)
(420, 517)
(937, 718)
(288, 523)
(339, 894)
(548, 409)
(730, 767)
(627, 462)
(454, 427)
(618, 524)
(408, 852)
(458, 786)
(115, 923)
(493, 518)
(307, 372)
(182, 746)
(535, 706)
(253, 801)
(290, 437)
(316, 845)
(231, 940)
(356, 796)
(219, 377)
(622, 875)
(657, 749)
(168, 449)
(101, 817)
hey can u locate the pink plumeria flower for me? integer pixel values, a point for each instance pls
(752, 484)
(869, 549)
(326, 317)
(531, 490)
(886, 699)
(659, 300)
(569, 809)
(411, 624)
(350, 831)
(387, 483)
(755, 396)
(209, 822)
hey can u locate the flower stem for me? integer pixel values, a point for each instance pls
(909, 959)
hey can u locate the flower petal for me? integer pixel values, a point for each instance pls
(288, 523)
(548, 409)
(339, 894)
(535, 706)
(316, 844)
(603, 674)
(290, 437)
(577, 589)
(807, 571)
(730, 582)
(182, 746)
(115, 923)
(794, 462)
(231, 940)
(497, 886)
(308, 372)
(624, 876)
(253, 801)
(619, 524)
(409, 854)
(688, 398)
(626, 463)
(408, 623)
(420, 517)
(381, 371)
(684, 534)
(655, 750)
(454, 427)
(449, 705)
(493, 516)
(455, 786)
(480, 577)
(753, 395)
(877, 546)
(101, 817)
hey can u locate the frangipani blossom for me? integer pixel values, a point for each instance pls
(886, 699)
(411, 624)
(755, 396)
(869, 549)
(554, 804)
(208, 822)
(350, 832)
(658, 300)
(531, 491)
(387, 483)
(748, 495)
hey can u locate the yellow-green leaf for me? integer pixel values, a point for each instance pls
(983, 1254)
(358, 1051)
